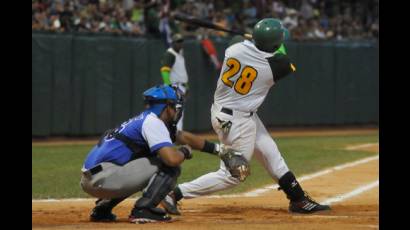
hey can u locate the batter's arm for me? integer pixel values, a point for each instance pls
(281, 66)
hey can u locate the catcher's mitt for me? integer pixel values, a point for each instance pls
(236, 164)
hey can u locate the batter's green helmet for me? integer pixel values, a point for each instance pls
(268, 34)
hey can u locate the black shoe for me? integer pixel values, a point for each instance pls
(101, 215)
(170, 205)
(307, 205)
(102, 211)
(148, 215)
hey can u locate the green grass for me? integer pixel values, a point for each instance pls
(56, 170)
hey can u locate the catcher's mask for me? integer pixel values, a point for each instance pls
(179, 105)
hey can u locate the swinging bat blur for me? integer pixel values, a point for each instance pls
(210, 25)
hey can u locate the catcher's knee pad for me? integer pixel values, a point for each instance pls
(160, 184)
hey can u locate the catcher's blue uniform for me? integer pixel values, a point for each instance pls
(146, 130)
(125, 158)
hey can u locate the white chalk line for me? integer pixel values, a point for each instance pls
(351, 194)
(323, 216)
(354, 147)
(253, 193)
(257, 192)
(62, 200)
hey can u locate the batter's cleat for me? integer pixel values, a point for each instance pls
(307, 205)
(170, 205)
(146, 215)
(101, 215)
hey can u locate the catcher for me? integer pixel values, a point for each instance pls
(139, 156)
(250, 70)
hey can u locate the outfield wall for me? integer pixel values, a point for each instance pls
(84, 84)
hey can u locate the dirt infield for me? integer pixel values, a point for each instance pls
(267, 211)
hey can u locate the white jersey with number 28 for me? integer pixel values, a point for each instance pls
(245, 79)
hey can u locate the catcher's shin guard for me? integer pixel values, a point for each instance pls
(170, 202)
(159, 186)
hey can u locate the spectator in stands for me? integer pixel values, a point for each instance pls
(36, 23)
(66, 17)
(55, 24)
(278, 9)
(249, 10)
(220, 20)
(137, 13)
(298, 33)
(306, 10)
(374, 29)
(164, 22)
(291, 19)
(318, 31)
(151, 17)
(340, 20)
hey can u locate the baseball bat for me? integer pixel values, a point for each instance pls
(210, 25)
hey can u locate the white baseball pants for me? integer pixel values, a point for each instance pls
(247, 135)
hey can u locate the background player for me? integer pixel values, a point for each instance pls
(249, 71)
(173, 69)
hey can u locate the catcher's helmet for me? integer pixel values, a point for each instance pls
(162, 94)
(268, 34)
(158, 97)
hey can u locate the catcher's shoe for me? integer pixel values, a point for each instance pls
(148, 215)
(307, 205)
(170, 205)
(103, 210)
(102, 215)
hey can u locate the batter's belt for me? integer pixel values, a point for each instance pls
(232, 112)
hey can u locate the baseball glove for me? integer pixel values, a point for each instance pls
(234, 161)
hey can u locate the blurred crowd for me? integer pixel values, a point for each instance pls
(305, 19)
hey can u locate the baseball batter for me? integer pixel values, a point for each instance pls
(250, 70)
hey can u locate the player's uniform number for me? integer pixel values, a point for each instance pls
(243, 84)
